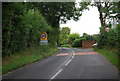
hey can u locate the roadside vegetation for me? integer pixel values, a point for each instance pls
(26, 57)
(22, 25)
(73, 39)
(24, 22)
(110, 55)
(108, 42)
(109, 45)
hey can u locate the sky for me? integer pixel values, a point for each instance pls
(89, 22)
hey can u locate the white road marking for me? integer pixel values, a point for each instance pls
(73, 54)
(68, 62)
(56, 74)
(66, 65)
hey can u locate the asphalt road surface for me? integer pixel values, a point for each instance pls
(68, 63)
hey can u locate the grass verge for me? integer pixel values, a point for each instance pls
(26, 57)
(111, 56)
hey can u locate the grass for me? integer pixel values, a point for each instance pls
(111, 56)
(26, 57)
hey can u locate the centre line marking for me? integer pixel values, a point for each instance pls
(56, 74)
(68, 62)
(73, 54)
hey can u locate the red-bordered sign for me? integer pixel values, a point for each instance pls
(43, 36)
(107, 29)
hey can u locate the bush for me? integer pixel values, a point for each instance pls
(111, 40)
(77, 42)
(108, 39)
(72, 37)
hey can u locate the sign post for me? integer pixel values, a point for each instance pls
(43, 39)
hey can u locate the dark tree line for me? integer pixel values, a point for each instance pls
(23, 22)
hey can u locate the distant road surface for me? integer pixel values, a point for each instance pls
(68, 63)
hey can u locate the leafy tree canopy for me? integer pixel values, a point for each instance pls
(64, 32)
(72, 37)
(59, 12)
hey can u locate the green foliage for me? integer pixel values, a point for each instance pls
(66, 38)
(102, 39)
(72, 37)
(25, 57)
(118, 37)
(21, 27)
(64, 32)
(95, 37)
(113, 57)
(35, 24)
(87, 37)
(12, 28)
(114, 9)
(53, 36)
(58, 12)
(77, 42)
(109, 39)
(107, 11)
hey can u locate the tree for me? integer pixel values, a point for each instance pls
(64, 32)
(58, 12)
(35, 24)
(12, 28)
(107, 11)
(87, 37)
(115, 10)
(21, 27)
(77, 42)
(72, 37)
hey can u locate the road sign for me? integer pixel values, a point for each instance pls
(107, 29)
(43, 42)
(43, 36)
(43, 39)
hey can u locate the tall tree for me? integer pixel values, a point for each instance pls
(64, 32)
(107, 10)
(21, 27)
(115, 11)
(12, 28)
(34, 24)
(58, 12)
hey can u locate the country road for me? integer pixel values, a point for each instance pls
(68, 63)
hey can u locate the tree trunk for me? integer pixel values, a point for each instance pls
(100, 14)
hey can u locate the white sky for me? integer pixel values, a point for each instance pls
(89, 22)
